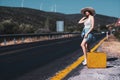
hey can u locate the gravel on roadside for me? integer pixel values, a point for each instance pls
(111, 47)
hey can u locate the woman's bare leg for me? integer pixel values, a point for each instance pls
(86, 45)
(84, 48)
(87, 48)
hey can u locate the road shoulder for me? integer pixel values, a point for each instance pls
(112, 72)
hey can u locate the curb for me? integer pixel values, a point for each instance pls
(63, 73)
(96, 46)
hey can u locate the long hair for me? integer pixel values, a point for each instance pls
(89, 12)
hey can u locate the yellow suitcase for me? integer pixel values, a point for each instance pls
(96, 60)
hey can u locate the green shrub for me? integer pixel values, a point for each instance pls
(8, 27)
(11, 27)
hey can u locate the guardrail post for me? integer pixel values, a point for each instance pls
(49, 37)
(14, 41)
(68, 35)
(64, 35)
(22, 39)
(56, 36)
(30, 39)
(5, 42)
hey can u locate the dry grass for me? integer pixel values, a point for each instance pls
(26, 40)
(111, 47)
(35, 39)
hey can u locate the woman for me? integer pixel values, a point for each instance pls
(88, 21)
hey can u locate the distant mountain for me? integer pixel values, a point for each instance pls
(41, 21)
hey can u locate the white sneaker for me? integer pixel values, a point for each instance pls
(84, 62)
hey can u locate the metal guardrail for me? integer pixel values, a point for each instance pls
(45, 36)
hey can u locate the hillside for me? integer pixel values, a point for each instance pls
(28, 20)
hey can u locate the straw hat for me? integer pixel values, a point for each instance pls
(88, 9)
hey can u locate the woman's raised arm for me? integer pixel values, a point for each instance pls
(82, 20)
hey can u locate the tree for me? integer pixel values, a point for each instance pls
(26, 28)
(9, 27)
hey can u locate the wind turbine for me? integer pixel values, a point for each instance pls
(22, 3)
(55, 7)
(41, 5)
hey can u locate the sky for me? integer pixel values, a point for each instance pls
(104, 7)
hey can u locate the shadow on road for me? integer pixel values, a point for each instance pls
(112, 59)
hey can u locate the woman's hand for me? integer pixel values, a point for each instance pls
(86, 35)
(82, 20)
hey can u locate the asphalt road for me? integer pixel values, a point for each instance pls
(39, 60)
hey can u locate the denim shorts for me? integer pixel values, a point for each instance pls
(89, 37)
